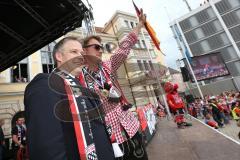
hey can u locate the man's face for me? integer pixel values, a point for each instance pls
(20, 121)
(214, 100)
(93, 51)
(71, 58)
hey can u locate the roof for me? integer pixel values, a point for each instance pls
(27, 25)
(99, 29)
(173, 71)
(115, 16)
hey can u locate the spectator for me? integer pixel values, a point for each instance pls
(238, 124)
(236, 110)
(2, 142)
(18, 136)
(210, 122)
(223, 110)
(216, 113)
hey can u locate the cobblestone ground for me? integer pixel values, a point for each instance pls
(198, 142)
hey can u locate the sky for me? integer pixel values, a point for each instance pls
(159, 14)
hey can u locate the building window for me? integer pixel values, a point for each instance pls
(140, 65)
(126, 23)
(193, 21)
(228, 53)
(146, 65)
(144, 44)
(234, 3)
(153, 54)
(205, 46)
(234, 68)
(47, 59)
(151, 65)
(211, 13)
(224, 38)
(19, 72)
(199, 33)
(132, 24)
(217, 25)
(138, 45)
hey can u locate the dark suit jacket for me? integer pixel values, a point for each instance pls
(1, 136)
(49, 137)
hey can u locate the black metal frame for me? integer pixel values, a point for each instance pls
(50, 32)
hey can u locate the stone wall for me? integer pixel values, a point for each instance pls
(7, 110)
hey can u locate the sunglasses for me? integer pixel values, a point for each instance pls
(96, 46)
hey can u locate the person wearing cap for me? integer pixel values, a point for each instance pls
(216, 112)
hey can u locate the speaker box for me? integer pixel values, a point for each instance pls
(185, 74)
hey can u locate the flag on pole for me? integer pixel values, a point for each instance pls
(188, 55)
(150, 30)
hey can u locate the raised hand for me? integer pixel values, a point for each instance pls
(142, 20)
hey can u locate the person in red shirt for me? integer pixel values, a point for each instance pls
(176, 104)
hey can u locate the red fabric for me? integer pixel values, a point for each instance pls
(168, 87)
(179, 118)
(150, 30)
(175, 86)
(115, 116)
(77, 123)
(174, 101)
(237, 110)
(22, 154)
(220, 107)
(142, 118)
(212, 123)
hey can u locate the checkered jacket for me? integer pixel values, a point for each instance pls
(115, 116)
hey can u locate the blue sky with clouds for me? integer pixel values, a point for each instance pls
(159, 14)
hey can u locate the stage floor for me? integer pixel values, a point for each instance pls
(194, 143)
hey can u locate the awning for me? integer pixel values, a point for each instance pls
(28, 25)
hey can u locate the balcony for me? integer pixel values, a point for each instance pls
(143, 53)
(12, 88)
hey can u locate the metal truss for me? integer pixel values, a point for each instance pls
(52, 32)
(32, 12)
(12, 33)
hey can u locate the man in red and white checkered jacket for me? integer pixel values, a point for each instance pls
(98, 76)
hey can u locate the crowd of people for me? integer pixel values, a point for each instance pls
(217, 110)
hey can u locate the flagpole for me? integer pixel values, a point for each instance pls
(155, 41)
(158, 80)
(194, 77)
(184, 49)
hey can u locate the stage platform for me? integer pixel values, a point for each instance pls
(198, 142)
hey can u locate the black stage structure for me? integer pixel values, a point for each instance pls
(28, 25)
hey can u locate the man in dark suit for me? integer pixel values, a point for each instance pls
(54, 132)
(2, 139)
